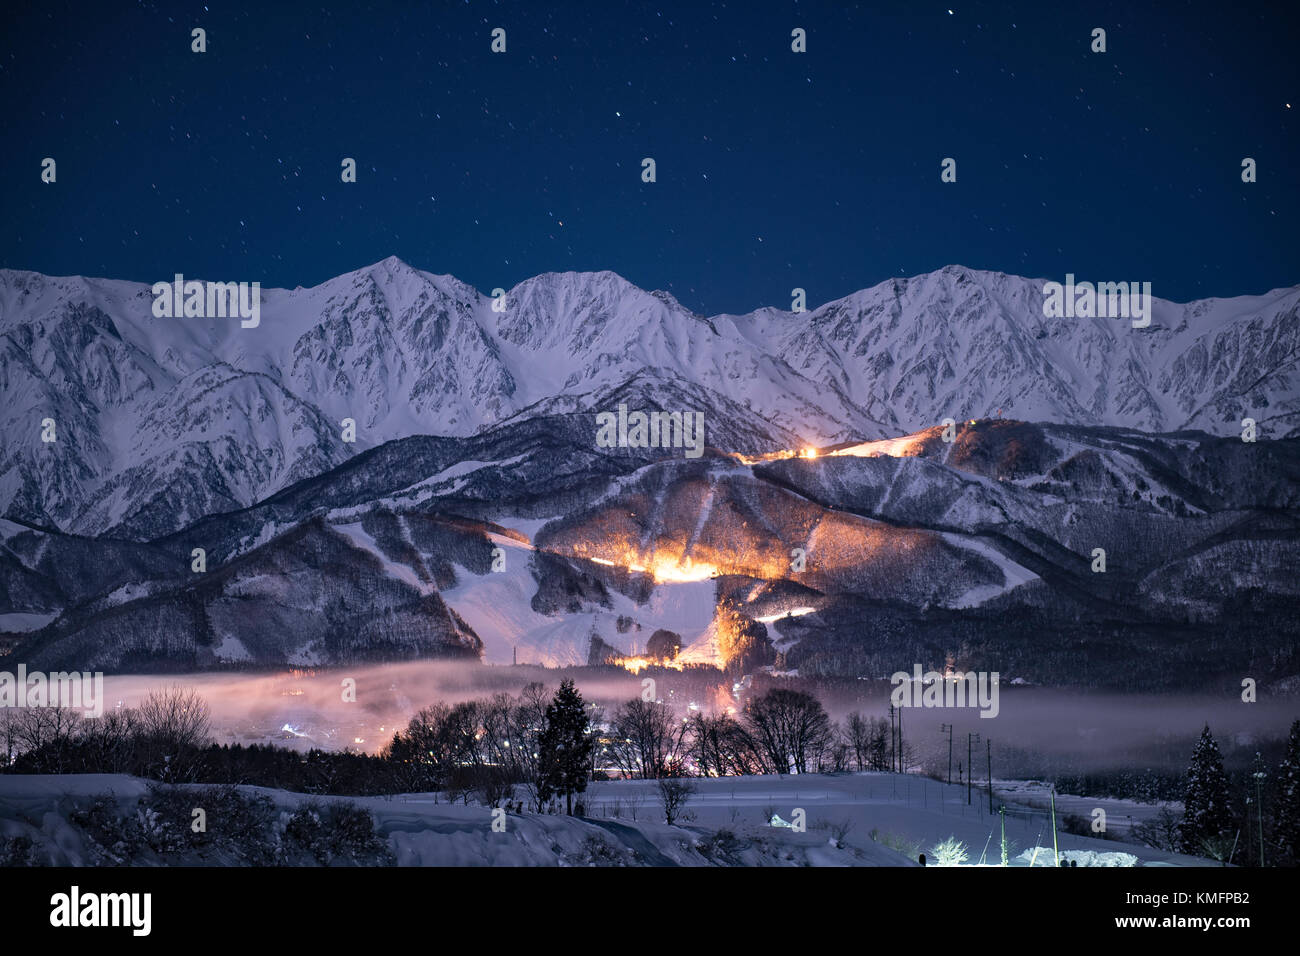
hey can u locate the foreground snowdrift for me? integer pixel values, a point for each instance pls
(851, 820)
(47, 815)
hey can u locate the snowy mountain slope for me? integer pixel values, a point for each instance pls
(162, 421)
(961, 343)
(525, 540)
(311, 597)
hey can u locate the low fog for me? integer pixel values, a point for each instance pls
(1036, 730)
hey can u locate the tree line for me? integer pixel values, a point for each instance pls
(550, 744)
(1248, 818)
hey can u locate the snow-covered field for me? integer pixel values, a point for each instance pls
(1121, 815)
(917, 809)
(851, 820)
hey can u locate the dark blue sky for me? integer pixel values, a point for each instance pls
(775, 169)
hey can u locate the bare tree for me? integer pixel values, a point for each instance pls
(674, 792)
(462, 729)
(8, 736)
(838, 829)
(174, 725)
(790, 727)
(835, 755)
(494, 787)
(1162, 832)
(647, 740)
(495, 744)
(857, 735)
(879, 743)
(528, 722)
(45, 735)
(721, 747)
(418, 750)
(107, 743)
(178, 715)
(705, 746)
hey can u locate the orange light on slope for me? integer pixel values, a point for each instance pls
(903, 447)
(637, 664)
(793, 612)
(682, 572)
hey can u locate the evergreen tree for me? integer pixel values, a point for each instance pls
(564, 755)
(1286, 834)
(1207, 818)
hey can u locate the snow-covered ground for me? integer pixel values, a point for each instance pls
(917, 809)
(425, 830)
(624, 825)
(20, 622)
(498, 607)
(1121, 815)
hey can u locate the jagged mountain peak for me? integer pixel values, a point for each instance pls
(397, 351)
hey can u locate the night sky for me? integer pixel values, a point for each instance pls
(775, 169)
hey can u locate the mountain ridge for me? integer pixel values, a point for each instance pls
(528, 540)
(161, 421)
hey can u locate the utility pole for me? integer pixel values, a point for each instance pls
(893, 738)
(1002, 812)
(947, 728)
(970, 763)
(1259, 776)
(595, 744)
(1249, 839)
(1055, 853)
(901, 762)
(988, 752)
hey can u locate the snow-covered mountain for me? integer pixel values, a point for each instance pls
(525, 542)
(163, 421)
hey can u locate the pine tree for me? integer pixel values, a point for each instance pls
(1286, 834)
(564, 747)
(1207, 818)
